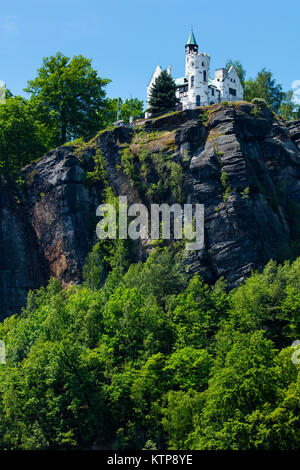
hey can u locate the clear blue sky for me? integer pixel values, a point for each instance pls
(127, 39)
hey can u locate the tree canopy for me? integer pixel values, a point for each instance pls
(21, 135)
(127, 362)
(132, 107)
(265, 87)
(163, 94)
(67, 101)
(68, 98)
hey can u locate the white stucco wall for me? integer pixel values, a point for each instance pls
(232, 81)
(195, 66)
(155, 74)
(226, 80)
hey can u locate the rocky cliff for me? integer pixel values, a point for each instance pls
(240, 160)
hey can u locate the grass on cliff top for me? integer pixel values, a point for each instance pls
(155, 141)
(157, 134)
(152, 140)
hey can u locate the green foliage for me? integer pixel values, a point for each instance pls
(288, 109)
(99, 172)
(188, 368)
(154, 173)
(21, 139)
(264, 87)
(68, 98)
(132, 107)
(163, 94)
(147, 361)
(160, 265)
(93, 271)
(256, 110)
(239, 69)
(261, 303)
(179, 411)
(138, 354)
(197, 313)
(260, 102)
(245, 193)
(226, 186)
(203, 116)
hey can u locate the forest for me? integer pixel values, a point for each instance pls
(152, 360)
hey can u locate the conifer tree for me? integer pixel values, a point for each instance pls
(163, 94)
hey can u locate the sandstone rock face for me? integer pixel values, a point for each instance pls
(21, 262)
(239, 161)
(61, 211)
(249, 224)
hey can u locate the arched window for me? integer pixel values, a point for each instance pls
(198, 100)
(204, 75)
(192, 81)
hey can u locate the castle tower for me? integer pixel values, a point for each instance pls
(196, 72)
(191, 45)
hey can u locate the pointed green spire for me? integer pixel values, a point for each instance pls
(192, 40)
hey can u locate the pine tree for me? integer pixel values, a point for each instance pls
(163, 94)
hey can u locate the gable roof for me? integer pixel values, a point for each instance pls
(158, 69)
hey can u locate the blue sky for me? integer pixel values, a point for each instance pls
(127, 39)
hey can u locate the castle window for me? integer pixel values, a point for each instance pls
(204, 75)
(198, 100)
(202, 64)
(192, 81)
(192, 64)
(213, 92)
(232, 92)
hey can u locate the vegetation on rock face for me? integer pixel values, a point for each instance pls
(148, 357)
(150, 163)
(260, 102)
(68, 101)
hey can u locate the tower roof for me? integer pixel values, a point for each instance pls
(192, 40)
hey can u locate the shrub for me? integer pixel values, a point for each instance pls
(259, 102)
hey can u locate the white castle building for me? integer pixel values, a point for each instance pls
(196, 88)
